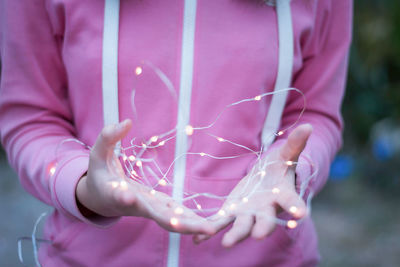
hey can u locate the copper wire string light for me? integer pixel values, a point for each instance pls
(138, 165)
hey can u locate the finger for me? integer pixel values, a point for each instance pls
(109, 137)
(264, 224)
(219, 223)
(296, 142)
(185, 221)
(241, 229)
(195, 226)
(184, 225)
(293, 204)
(197, 239)
(191, 219)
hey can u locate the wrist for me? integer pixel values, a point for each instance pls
(81, 195)
(88, 211)
(93, 202)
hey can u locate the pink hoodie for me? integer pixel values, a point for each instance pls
(51, 80)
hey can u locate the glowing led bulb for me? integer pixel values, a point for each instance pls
(262, 173)
(161, 143)
(132, 158)
(291, 224)
(114, 184)
(144, 145)
(257, 98)
(280, 133)
(174, 221)
(139, 163)
(293, 209)
(153, 192)
(138, 70)
(198, 206)
(123, 185)
(221, 213)
(245, 200)
(133, 172)
(124, 157)
(220, 139)
(202, 154)
(52, 170)
(154, 138)
(189, 129)
(275, 190)
(232, 206)
(178, 211)
(289, 163)
(162, 182)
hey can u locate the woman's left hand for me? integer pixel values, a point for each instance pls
(267, 189)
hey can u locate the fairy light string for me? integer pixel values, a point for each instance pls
(138, 165)
(257, 175)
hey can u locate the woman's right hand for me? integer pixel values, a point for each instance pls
(105, 190)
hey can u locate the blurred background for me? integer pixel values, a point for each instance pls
(357, 214)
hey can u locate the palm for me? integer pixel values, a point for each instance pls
(107, 191)
(165, 211)
(268, 188)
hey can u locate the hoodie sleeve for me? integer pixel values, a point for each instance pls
(322, 79)
(35, 118)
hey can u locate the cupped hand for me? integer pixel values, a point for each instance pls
(107, 192)
(268, 188)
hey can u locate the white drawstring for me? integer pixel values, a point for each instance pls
(283, 80)
(284, 76)
(110, 62)
(34, 241)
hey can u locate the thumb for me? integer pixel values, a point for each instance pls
(109, 137)
(296, 142)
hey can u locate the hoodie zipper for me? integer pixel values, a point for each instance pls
(183, 118)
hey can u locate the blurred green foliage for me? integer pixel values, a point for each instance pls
(373, 90)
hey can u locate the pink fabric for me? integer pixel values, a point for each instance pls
(51, 91)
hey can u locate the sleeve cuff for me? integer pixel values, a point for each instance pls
(65, 180)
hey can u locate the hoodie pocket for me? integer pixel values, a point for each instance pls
(62, 230)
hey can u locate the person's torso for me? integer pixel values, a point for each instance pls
(235, 57)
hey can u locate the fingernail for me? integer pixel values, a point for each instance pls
(122, 124)
(201, 238)
(227, 245)
(227, 242)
